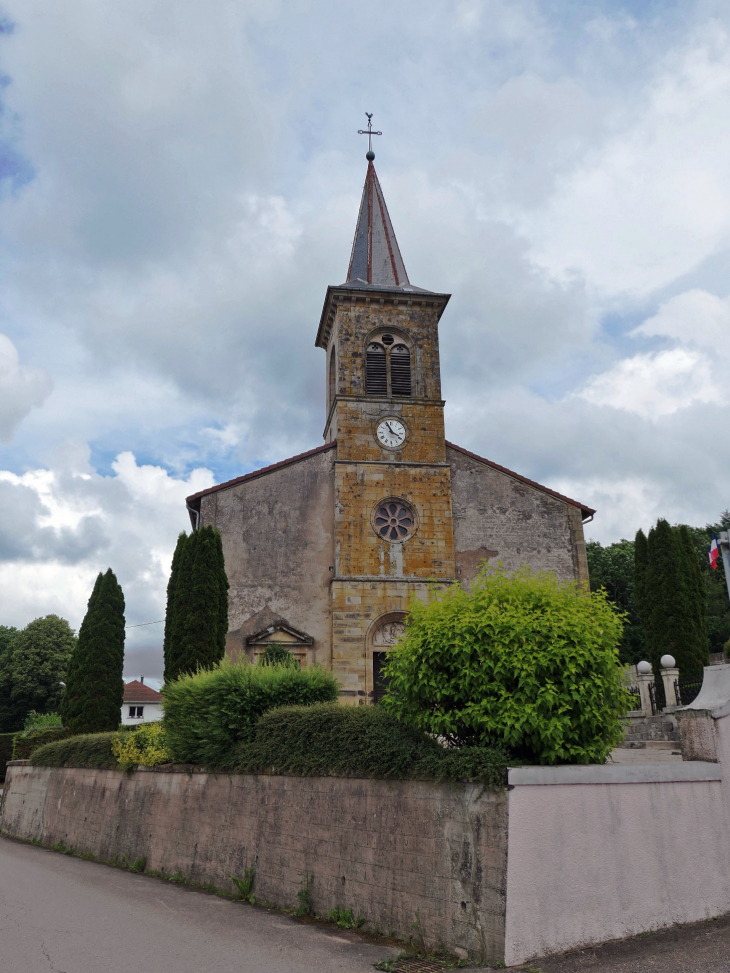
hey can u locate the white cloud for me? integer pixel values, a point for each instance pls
(68, 524)
(651, 200)
(21, 389)
(655, 385)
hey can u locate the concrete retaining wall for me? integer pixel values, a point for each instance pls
(397, 853)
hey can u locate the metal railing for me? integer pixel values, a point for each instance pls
(657, 696)
(686, 691)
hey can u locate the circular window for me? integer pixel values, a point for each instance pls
(394, 520)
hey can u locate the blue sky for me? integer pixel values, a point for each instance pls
(179, 183)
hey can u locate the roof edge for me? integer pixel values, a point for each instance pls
(585, 511)
(396, 295)
(262, 472)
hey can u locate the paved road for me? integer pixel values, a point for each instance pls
(703, 947)
(60, 914)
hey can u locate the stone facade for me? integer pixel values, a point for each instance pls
(303, 540)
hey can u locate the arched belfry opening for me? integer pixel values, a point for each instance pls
(387, 365)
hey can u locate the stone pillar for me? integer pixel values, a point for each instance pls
(645, 679)
(669, 676)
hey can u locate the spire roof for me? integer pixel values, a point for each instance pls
(376, 259)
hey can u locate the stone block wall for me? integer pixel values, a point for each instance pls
(395, 852)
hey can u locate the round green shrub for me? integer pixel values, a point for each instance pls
(523, 661)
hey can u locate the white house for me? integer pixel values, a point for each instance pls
(141, 703)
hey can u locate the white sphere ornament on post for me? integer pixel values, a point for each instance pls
(644, 668)
(667, 662)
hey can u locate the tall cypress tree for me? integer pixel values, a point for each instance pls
(641, 566)
(200, 614)
(169, 640)
(92, 700)
(671, 599)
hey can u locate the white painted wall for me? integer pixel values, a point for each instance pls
(151, 713)
(603, 852)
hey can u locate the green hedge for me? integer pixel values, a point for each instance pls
(27, 743)
(90, 750)
(208, 713)
(6, 751)
(363, 741)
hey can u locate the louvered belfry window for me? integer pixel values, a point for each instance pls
(377, 372)
(387, 367)
(400, 370)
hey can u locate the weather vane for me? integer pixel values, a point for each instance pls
(369, 155)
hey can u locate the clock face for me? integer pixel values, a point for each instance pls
(391, 433)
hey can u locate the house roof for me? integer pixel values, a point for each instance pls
(262, 472)
(137, 692)
(585, 511)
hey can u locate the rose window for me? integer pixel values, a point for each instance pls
(394, 520)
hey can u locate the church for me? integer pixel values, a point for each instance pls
(326, 550)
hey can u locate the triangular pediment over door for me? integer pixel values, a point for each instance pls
(298, 643)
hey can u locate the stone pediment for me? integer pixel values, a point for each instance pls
(280, 634)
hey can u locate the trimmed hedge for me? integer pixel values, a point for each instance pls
(6, 751)
(208, 713)
(26, 744)
(334, 740)
(89, 750)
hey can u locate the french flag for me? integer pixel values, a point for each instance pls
(714, 553)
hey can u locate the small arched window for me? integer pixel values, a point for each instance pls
(400, 370)
(377, 374)
(387, 367)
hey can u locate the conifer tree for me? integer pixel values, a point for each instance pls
(92, 700)
(641, 564)
(671, 599)
(170, 640)
(197, 630)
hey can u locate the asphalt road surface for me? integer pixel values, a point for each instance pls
(60, 914)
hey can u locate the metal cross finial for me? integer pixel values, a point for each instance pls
(370, 155)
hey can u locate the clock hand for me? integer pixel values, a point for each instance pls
(391, 430)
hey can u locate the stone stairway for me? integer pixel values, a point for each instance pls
(658, 732)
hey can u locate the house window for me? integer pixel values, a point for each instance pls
(136, 712)
(387, 367)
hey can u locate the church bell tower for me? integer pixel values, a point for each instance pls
(393, 522)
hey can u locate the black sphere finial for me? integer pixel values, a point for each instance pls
(370, 155)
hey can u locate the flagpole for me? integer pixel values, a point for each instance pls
(724, 542)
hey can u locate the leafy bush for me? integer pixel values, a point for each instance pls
(278, 655)
(6, 751)
(207, 714)
(90, 750)
(145, 747)
(41, 721)
(362, 741)
(523, 661)
(27, 743)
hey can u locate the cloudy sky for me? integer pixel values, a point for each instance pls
(179, 182)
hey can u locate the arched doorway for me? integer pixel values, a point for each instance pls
(383, 634)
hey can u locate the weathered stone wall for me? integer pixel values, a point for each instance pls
(396, 853)
(278, 542)
(500, 518)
